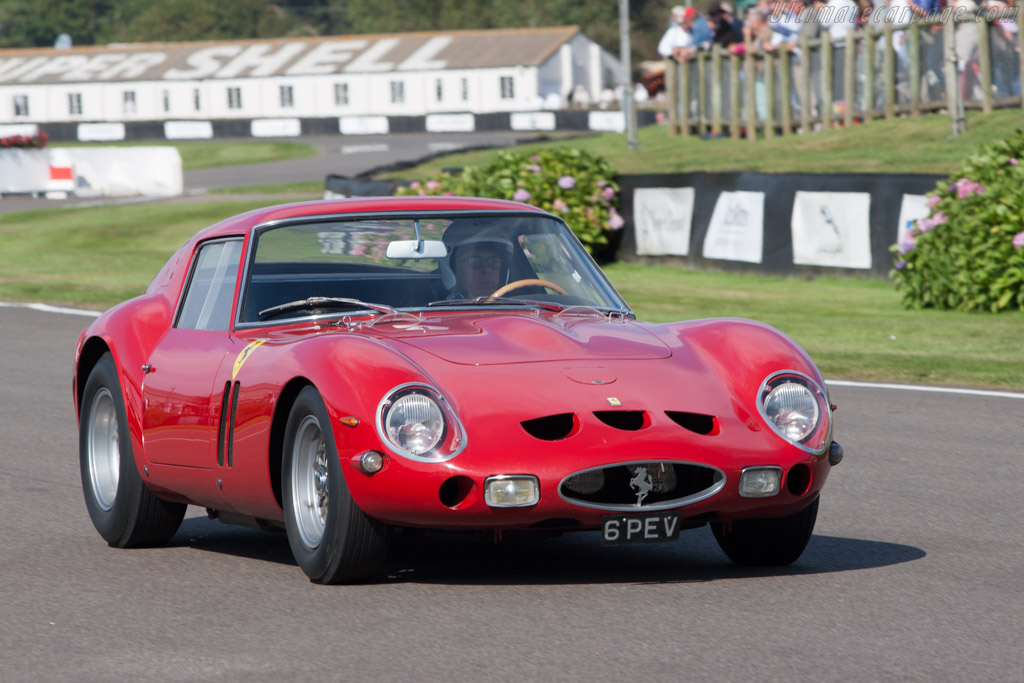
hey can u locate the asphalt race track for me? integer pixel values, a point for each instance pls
(914, 572)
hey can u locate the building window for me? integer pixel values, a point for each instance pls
(439, 90)
(465, 89)
(167, 100)
(507, 88)
(195, 98)
(341, 94)
(74, 103)
(234, 98)
(21, 105)
(287, 96)
(397, 92)
(129, 101)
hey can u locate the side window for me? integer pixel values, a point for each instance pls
(211, 287)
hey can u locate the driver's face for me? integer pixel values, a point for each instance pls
(477, 271)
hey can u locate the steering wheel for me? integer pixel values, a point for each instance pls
(502, 291)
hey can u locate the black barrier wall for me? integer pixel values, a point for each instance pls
(780, 189)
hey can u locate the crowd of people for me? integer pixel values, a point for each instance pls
(770, 25)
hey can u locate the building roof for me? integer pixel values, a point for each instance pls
(381, 53)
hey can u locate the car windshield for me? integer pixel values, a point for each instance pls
(414, 262)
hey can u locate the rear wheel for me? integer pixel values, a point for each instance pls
(123, 510)
(332, 540)
(767, 542)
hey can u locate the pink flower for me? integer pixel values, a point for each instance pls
(907, 242)
(939, 219)
(534, 157)
(924, 225)
(567, 182)
(1013, 162)
(535, 168)
(615, 221)
(608, 193)
(521, 195)
(966, 187)
(932, 201)
(433, 185)
(559, 205)
(1018, 240)
(415, 184)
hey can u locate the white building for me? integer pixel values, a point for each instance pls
(359, 80)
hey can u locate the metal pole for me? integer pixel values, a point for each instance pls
(626, 76)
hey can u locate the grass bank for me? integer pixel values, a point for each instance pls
(853, 328)
(911, 145)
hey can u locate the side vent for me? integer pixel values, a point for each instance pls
(695, 422)
(552, 427)
(626, 420)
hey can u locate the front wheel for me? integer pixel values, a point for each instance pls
(332, 540)
(123, 510)
(767, 542)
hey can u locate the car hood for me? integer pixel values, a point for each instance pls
(507, 338)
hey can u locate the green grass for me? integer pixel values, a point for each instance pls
(918, 145)
(210, 154)
(853, 328)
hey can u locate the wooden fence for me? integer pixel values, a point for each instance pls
(898, 70)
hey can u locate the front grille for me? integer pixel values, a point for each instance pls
(642, 485)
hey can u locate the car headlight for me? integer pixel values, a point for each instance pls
(415, 421)
(797, 409)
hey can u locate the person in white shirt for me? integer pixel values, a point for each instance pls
(677, 43)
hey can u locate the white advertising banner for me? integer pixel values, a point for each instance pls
(532, 120)
(450, 123)
(188, 130)
(832, 229)
(662, 217)
(100, 132)
(363, 125)
(736, 231)
(912, 207)
(24, 170)
(275, 128)
(611, 121)
(126, 171)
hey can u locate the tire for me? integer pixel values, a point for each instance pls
(332, 540)
(123, 510)
(767, 542)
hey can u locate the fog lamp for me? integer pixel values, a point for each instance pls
(760, 482)
(511, 491)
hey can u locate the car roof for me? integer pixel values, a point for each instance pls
(243, 223)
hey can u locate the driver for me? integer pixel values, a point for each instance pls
(478, 261)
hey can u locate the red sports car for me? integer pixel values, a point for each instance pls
(341, 368)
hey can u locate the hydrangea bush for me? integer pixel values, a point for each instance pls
(37, 141)
(968, 253)
(569, 183)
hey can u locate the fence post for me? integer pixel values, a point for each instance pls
(827, 96)
(684, 99)
(734, 97)
(850, 78)
(748, 68)
(869, 74)
(914, 54)
(769, 89)
(1020, 45)
(702, 96)
(786, 92)
(805, 85)
(985, 63)
(716, 89)
(673, 97)
(889, 66)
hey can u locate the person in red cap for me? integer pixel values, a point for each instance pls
(677, 42)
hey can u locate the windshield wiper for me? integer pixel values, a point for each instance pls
(324, 302)
(500, 301)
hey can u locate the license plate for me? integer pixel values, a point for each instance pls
(654, 527)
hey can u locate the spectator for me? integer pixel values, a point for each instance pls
(677, 43)
(757, 34)
(728, 29)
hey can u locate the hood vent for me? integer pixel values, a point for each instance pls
(695, 422)
(626, 420)
(552, 427)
